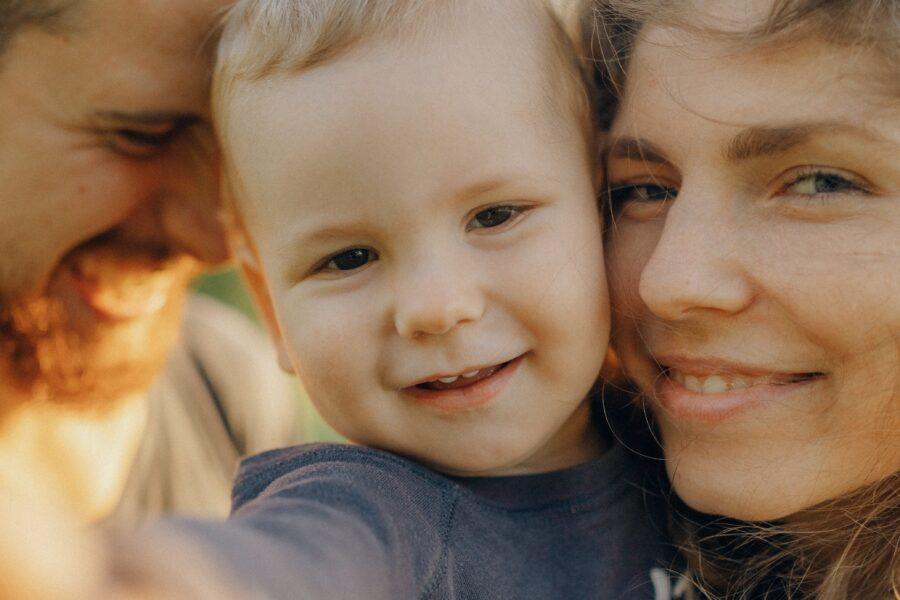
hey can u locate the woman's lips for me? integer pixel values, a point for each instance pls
(712, 397)
(465, 393)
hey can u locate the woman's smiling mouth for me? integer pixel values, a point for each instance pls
(719, 383)
(713, 391)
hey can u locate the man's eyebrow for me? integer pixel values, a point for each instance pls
(635, 149)
(147, 117)
(756, 142)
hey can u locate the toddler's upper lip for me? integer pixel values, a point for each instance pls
(459, 373)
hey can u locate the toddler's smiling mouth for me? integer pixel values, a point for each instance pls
(465, 379)
(466, 390)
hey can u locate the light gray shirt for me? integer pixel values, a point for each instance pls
(220, 397)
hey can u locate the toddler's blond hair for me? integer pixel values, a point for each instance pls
(259, 39)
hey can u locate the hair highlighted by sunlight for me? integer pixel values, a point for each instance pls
(265, 38)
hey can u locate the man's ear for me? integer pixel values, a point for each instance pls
(247, 260)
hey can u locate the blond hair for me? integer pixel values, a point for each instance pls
(259, 39)
(848, 547)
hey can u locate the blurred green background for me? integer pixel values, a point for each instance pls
(226, 286)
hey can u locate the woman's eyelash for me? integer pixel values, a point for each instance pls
(822, 182)
(640, 192)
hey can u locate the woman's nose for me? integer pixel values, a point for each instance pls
(698, 263)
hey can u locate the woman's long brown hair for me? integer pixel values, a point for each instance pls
(846, 548)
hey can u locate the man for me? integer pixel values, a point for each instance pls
(107, 210)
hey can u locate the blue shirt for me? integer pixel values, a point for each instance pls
(339, 521)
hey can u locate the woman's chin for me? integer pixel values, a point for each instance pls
(749, 495)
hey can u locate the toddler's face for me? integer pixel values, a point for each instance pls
(425, 218)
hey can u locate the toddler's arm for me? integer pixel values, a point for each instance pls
(371, 526)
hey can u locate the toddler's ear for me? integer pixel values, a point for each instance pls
(256, 282)
(247, 260)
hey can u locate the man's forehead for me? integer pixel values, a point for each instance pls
(178, 24)
(135, 56)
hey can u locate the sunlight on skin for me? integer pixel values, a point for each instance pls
(46, 553)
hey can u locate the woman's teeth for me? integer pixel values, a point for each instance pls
(721, 383)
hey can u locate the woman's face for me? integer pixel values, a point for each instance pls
(754, 263)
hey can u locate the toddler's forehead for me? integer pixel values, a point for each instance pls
(464, 73)
(525, 35)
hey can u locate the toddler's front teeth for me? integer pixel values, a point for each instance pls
(470, 374)
(448, 379)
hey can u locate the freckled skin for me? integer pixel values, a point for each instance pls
(747, 264)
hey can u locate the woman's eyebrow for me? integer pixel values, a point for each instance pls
(635, 149)
(756, 142)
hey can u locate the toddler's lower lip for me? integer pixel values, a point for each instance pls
(468, 397)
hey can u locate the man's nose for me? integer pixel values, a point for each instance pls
(189, 211)
(698, 263)
(436, 296)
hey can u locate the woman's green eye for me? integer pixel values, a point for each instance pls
(493, 217)
(820, 183)
(350, 259)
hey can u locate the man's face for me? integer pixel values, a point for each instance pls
(432, 246)
(106, 195)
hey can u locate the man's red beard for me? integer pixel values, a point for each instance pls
(47, 355)
(37, 349)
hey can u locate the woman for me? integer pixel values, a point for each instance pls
(754, 261)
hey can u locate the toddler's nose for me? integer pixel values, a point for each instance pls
(432, 301)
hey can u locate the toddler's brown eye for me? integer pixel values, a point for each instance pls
(351, 259)
(493, 217)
